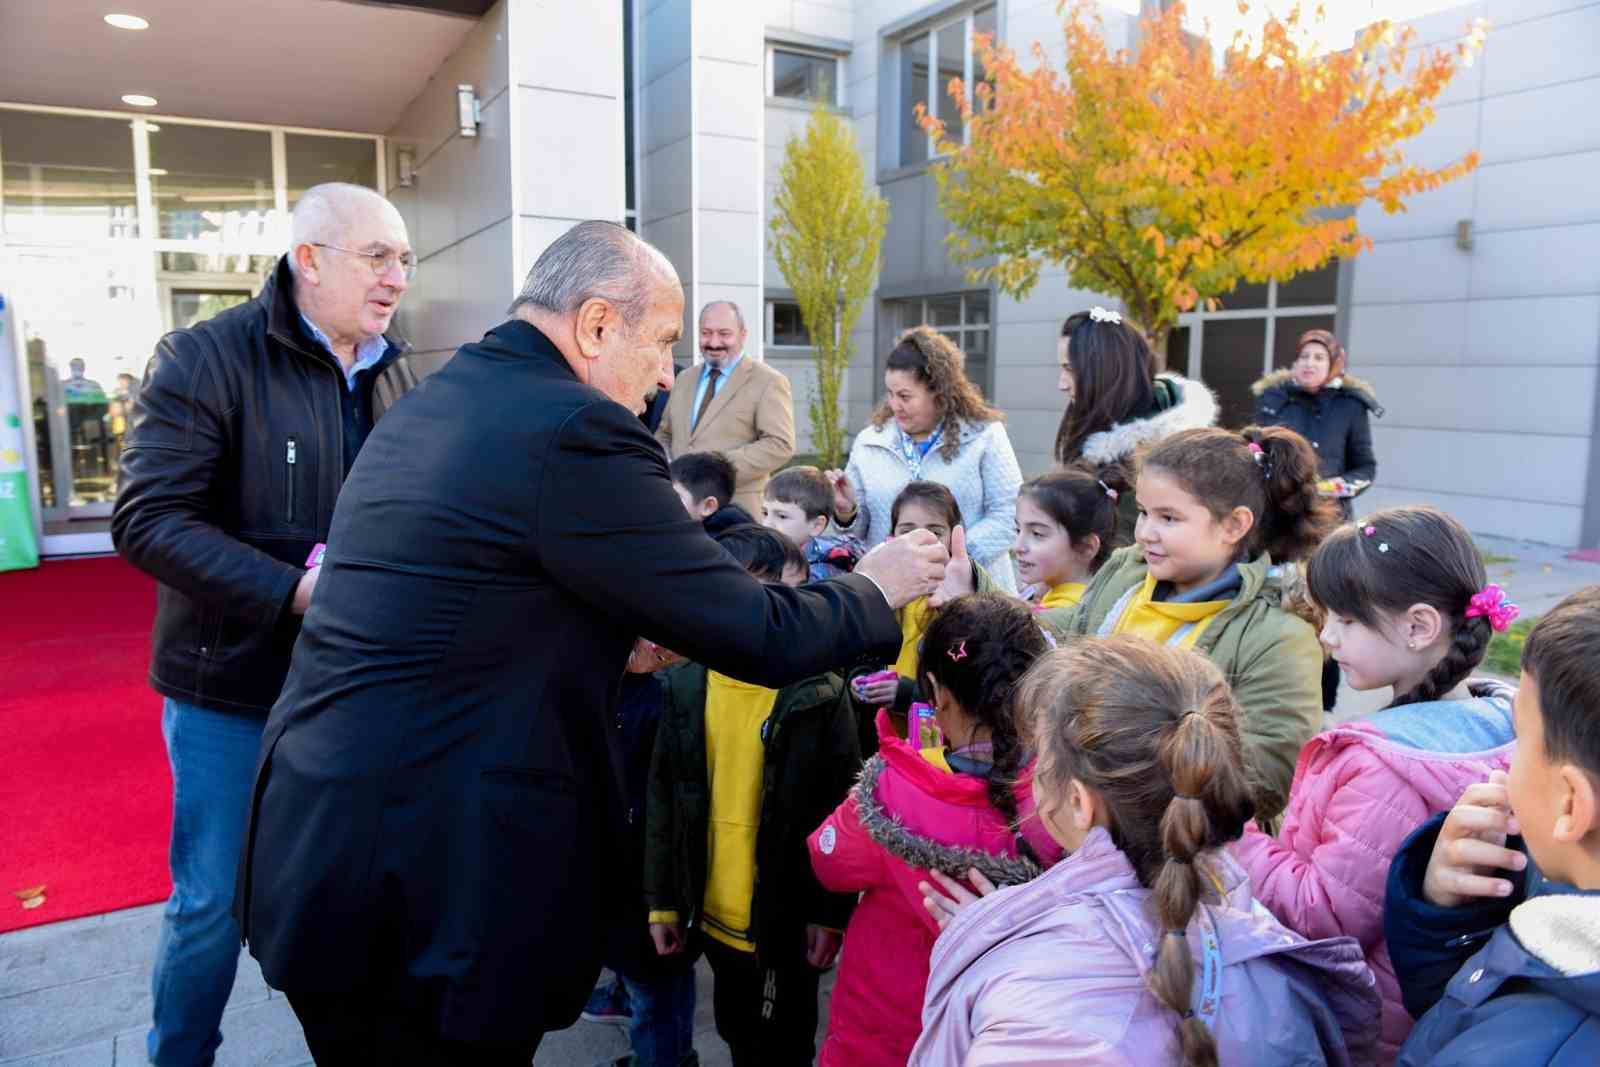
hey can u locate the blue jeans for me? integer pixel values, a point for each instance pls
(661, 1030)
(213, 757)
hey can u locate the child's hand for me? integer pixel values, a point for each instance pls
(880, 694)
(944, 905)
(844, 494)
(668, 938)
(822, 945)
(958, 579)
(1471, 845)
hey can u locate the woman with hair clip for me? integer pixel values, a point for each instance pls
(1117, 403)
(1143, 946)
(933, 425)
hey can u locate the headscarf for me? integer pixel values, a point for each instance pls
(1336, 358)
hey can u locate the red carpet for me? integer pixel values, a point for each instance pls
(85, 792)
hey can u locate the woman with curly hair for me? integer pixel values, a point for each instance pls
(933, 426)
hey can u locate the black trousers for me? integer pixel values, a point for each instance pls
(366, 1029)
(767, 1015)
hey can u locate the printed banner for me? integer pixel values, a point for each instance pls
(18, 546)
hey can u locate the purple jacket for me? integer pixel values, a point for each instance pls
(1055, 972)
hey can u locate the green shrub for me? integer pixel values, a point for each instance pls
(1505, 649)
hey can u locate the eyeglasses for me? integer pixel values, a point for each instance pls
(382, 262)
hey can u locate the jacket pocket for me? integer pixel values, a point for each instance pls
(290, 459)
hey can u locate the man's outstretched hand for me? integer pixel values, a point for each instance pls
(907, 567)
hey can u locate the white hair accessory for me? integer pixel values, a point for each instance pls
(1100, 314)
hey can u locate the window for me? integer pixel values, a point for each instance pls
(785, 326)
(962, 317)
(928, 63)
(797, 75)
(1251, 334)
(310, 160)
(212, 182)
(67, 178)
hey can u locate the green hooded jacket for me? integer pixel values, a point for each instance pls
(1271, 658)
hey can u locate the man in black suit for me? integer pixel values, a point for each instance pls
(430, 871)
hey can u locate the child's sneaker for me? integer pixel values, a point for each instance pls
(608, 1004)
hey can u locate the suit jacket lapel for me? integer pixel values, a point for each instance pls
(741, 374)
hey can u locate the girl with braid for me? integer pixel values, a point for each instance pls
(1143, 946)
(1408, 609)
(962, 807)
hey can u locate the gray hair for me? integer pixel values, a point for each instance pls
(595, 260)
(738, 316)
(325, 213)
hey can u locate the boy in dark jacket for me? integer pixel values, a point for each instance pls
(1493, 910)
(705, 483)
(741, 776)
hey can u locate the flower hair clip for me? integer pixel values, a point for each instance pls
(1491, 604)
(1100, 314)
(1110, 492)
(1369, 531)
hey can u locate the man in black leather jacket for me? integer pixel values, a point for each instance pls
(241, 438)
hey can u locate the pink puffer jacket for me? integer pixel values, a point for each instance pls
(1056, 972)
(1359, 790)
(905, 816)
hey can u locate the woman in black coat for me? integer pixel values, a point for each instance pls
(1317, 400)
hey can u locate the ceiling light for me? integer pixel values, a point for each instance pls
(157, 172)
(151, 127)
(138, 100)
(127, 22)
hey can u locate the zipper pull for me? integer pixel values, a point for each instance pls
(288, 456)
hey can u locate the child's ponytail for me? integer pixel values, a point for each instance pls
(1272, 472)
(1153, 732)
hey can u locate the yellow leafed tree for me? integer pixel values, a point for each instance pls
(1166, 177)
(827, 229)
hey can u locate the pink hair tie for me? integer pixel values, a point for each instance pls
(1254, 447)
(1491, 604)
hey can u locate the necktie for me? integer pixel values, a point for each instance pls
(712, 374)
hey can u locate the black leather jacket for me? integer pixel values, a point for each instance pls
(230, 470)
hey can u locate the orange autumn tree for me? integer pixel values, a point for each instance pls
(1166, 177)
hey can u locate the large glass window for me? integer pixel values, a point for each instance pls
(212, 183)
(310, 160)
(1252, 333)
(946, 52)
(800, 75)
(67, 178)
(962, 317)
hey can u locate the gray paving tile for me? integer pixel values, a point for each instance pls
(261, 1034)
(99, 1054)
(74, 953)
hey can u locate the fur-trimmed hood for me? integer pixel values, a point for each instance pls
(1196, 407)
(1279, 386)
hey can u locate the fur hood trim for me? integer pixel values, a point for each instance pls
(1562, 930)
(1196, 408)
(924, 853)
(1348, 384)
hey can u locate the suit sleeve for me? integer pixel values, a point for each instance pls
(609, 529)
(174, 462)
(1353, 812)
(1279, 686)
(1360, 461)
(995, 530)
(774, 443)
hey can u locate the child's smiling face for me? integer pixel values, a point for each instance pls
(1183, 542)
(1045, 553)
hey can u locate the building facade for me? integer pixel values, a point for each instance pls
(1476, 316)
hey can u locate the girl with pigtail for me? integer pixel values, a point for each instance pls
(1143, 945)
(964, 807)
(1408, 608)
(1219, 514)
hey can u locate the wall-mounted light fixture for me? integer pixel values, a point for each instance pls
(467, 110)
(1464, 235)
(405, 165)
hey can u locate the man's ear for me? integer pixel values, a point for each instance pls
(305, 261)
(817, 525)
(1236, 525)
(1576, 818)
(594, 321)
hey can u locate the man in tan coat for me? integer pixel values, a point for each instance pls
(732, 403)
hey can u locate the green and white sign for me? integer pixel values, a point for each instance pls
(18, 546)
